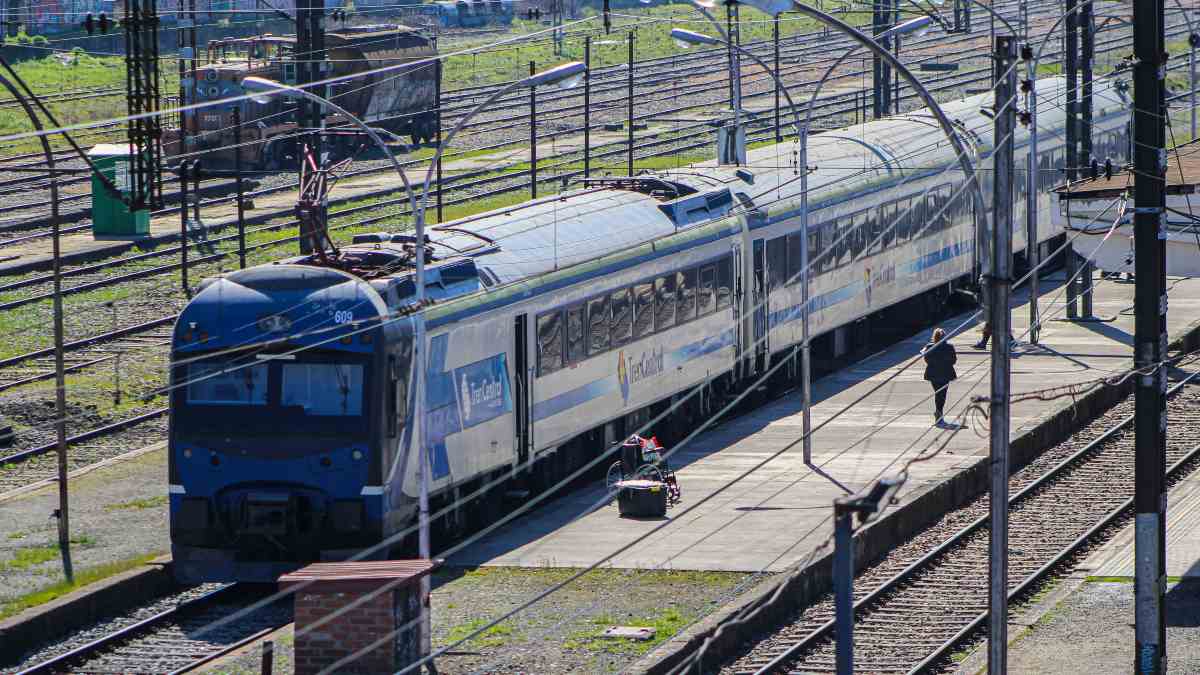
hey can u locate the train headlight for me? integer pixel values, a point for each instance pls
(187, 453)
(357, 454)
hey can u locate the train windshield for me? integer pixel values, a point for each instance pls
(319, 394)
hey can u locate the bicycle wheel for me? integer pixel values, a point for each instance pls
(615, 475)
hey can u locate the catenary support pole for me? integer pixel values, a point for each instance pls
(1071, 69)
(438, 139)
(775, 46)
(999, 285)
(1087, 42)
(587, 107)
(533, 161)
(1193, 42)
(1150, 306)
(60, 383)
(1033, 184)
(241, 192)
(843, 587)
(881, 18)
(183, 227)
(629, 103)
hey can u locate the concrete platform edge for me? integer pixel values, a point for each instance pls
(726, 631)
(82, 607)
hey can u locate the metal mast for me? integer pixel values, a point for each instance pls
(1150, 310)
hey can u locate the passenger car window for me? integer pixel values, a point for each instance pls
(598, 320)
(664, 308)
(576, 335)
(622, 316)
(725, 282)
(550, 343)
(705, 300)
(643, 321)
(776, 263)
(795, 244)
(686, 290)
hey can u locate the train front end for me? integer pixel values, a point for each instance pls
(277, 426)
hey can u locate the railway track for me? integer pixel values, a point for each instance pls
(653, 74)
(177, 640)
(834, 107)
(76, 95)
(89, 352)
(921, 603)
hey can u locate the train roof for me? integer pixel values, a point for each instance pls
(611, 220)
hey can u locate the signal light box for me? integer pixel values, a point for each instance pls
(111, 217)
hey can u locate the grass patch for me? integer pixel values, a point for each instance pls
(1108, 580)
(495, 636)
(27, 557)
(138, 504)
(665, 624)
(61, 588)
(32, 556)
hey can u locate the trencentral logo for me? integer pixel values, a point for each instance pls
(632, 370)
(485, 393)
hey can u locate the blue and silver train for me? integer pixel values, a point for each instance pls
(556, 327)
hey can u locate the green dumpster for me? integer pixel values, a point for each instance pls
(111, 218)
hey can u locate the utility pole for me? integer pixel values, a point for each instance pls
(1033, 183)
(241, 193)
(1087, 30)
(183, 227)
(775, 43)
(867, 505)
(587, 106)
(1150, 322)
(999, 277)
(310, 60)
(1071, 68)
(881, 87)
(735, 147)
(629, 103)
(533, 134)
(186, 35)
(843, 586)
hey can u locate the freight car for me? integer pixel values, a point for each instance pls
(402, 102)
(557, 327)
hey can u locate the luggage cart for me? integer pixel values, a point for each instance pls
(643, 459)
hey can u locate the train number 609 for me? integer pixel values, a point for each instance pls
(343, 316)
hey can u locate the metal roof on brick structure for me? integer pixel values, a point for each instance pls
(1183, 175)
(368, 573)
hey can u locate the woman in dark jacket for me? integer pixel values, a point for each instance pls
(939, 370)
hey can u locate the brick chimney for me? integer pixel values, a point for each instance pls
(360, 615)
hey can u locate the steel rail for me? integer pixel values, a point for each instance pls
(119, 425)
(228, 593)
(825, 630)
(954, 79)
(455, 182)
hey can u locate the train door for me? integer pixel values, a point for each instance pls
(758, 301)
(741, 314)
(521, 393)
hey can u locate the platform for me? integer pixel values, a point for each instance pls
(776, 515)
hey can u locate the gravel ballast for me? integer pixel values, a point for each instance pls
(560, 634)
(117, 513)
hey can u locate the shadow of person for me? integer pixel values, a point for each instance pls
(1183, 600)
